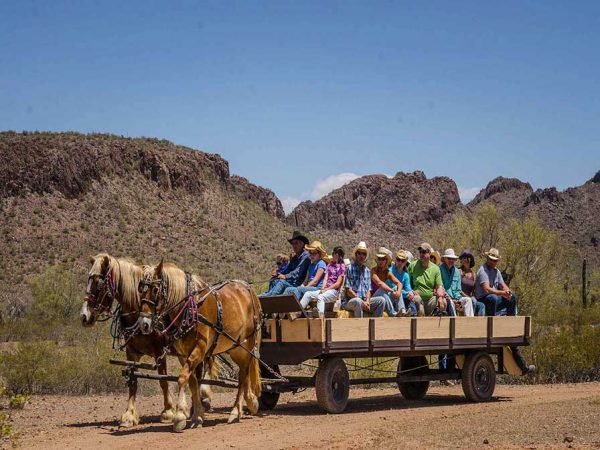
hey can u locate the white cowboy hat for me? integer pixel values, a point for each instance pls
(383, 252)
(449, 253)
(361, 247)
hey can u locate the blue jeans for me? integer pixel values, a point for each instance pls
(478, 307)
(299, 291)
(494, 304)
(412, 306)
(391, 305)
(276, 288)
(355, 305)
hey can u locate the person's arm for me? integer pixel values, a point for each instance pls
(316, 278)
(406, 287)
(300, 269)
(350, 293)
(398, 291)
(324, 283)
(455, 287)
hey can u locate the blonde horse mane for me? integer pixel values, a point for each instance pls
(174, 277)
(127, 278)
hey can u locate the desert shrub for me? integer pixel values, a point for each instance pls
(546, 273)
(47, 367)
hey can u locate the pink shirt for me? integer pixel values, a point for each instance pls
(334, 272)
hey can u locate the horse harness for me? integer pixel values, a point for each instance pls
(189, 316)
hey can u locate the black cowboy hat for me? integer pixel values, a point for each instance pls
(298, 236)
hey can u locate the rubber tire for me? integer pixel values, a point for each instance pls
(478, 377)
(414, 390)
(332, 385)
(268, 400)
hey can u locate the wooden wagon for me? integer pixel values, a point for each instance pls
(471, 341)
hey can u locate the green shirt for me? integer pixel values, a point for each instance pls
(425, 280)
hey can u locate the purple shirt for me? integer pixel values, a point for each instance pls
(334, 271)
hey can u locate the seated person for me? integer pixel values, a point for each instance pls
(281, 262)
(435, 257)
(490, 288)
(428, 291)
(295, 272)
(332, 283)
(467, 281)
(315, 273)
(452, 286)
(387, 285)
(400, 271)
(358, 286)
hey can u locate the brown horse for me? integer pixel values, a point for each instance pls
(112, 279)
(173, 301)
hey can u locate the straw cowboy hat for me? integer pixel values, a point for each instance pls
(493, 254)
(436, 257)
(361, 247)
(402, 255)
(449, 253)
(297, 235)
(383, 252)
(318, 247)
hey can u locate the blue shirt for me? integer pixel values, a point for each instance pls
(403, 277)
(312, 271)
(358, 278)
(295, 272)
(451, 281)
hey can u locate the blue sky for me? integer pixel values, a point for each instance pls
(293, 94)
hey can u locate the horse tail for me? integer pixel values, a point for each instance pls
(254, 373)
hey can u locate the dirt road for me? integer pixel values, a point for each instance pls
(519, 416)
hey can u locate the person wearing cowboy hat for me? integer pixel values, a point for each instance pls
(427, 283)
(295, 272)
(400, 271)
(490, 288)
(314, 274)
(467, 281)
(451, 282)
(358, 286)
(332, 283)
(386, 285)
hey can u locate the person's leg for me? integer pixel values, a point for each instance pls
(354, 305)
(491, 302)
(307, 297)
(292, 290)
(388, 306)
(467, 306)
(521, 361)
(511, 306)
(410, 307)
(277, 289)
(430, 305)
(450, 310)
(418, 301)
(326, 297)
(478, 307)
(377, 306)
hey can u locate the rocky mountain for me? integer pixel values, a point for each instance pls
(64, 196)
(575, 212)
(390, 211)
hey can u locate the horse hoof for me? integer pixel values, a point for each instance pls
(196, 423)
(129, 420)
(233, 418)
(206, 404)
(167, 416)
(179, 422)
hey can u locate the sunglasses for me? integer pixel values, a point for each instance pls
(400, 260)
(422, 252)
(313, 253)
(361, 254)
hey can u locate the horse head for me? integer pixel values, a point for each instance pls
(100, 291)
(153, 297)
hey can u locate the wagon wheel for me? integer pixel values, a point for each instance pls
(413, 390)
(478, 377)
(332, 385)
(268, 399)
